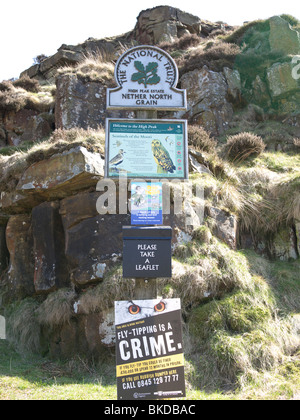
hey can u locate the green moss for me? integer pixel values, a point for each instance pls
(278, 161)
(246, 31)
(286, 283)
(238, 312)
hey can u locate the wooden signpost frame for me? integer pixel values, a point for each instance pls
(159, 72)
(165, 72)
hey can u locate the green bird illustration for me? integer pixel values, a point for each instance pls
(162, 157)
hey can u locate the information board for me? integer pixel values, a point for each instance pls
(149, 351)
(146, 149)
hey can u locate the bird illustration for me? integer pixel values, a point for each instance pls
(118, 143)
(118, 159)
(162, 157)
(138, 196)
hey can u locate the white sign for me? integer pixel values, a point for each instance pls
(147, 77)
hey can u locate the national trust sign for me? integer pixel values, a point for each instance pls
(147, 77)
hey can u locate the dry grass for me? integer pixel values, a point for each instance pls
(185, 42)
(285, 198)
(243, 145)
(92, 68)
(25, 82)
(199, 138)
(276, 206)
(241, 335)
(215, 55)
(62, 140)
(102, 297)
(205, 271)
(16, 98)
(57, 309)
(22, 326)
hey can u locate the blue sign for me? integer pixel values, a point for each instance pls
(146, 203)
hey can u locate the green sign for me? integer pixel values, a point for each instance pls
(146, 149)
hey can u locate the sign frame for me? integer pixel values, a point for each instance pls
(147, 77)
(140, 132)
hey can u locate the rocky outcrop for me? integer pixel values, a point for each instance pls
(207, 98)
(87, 249)
(283, 37)
(25, 125)
(62, 174)
(46, 71)
(50, 265)
(164, 23)
(224, 226)
(79, 103)
(19, 241)
(69, 55)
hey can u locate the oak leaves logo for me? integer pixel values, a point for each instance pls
(145, 76)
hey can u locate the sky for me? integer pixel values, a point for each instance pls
(29, 28)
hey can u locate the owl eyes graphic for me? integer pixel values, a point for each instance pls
(134, 309)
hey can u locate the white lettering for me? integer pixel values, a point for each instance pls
(122, 345)
(136, 348)
(296, 69)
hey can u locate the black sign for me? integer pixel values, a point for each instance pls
(147, 252)
(149, 352)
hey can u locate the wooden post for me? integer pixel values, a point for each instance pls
(146, 115)
(145, 288)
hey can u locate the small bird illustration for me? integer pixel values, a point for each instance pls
(169, 141)
(162, 157)
(118, 159)
(138, 197)
(118, 143)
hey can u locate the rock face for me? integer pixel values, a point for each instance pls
(225, 226)
(284, 87)
(207, 99)
(88, 252)
(281, 81)
(62, 174)
(164, 23)
(79, 104)
(19, 241)
(50, 265)
(25, 124)
(282, 37)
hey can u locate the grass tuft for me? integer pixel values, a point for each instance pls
(92, 68)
